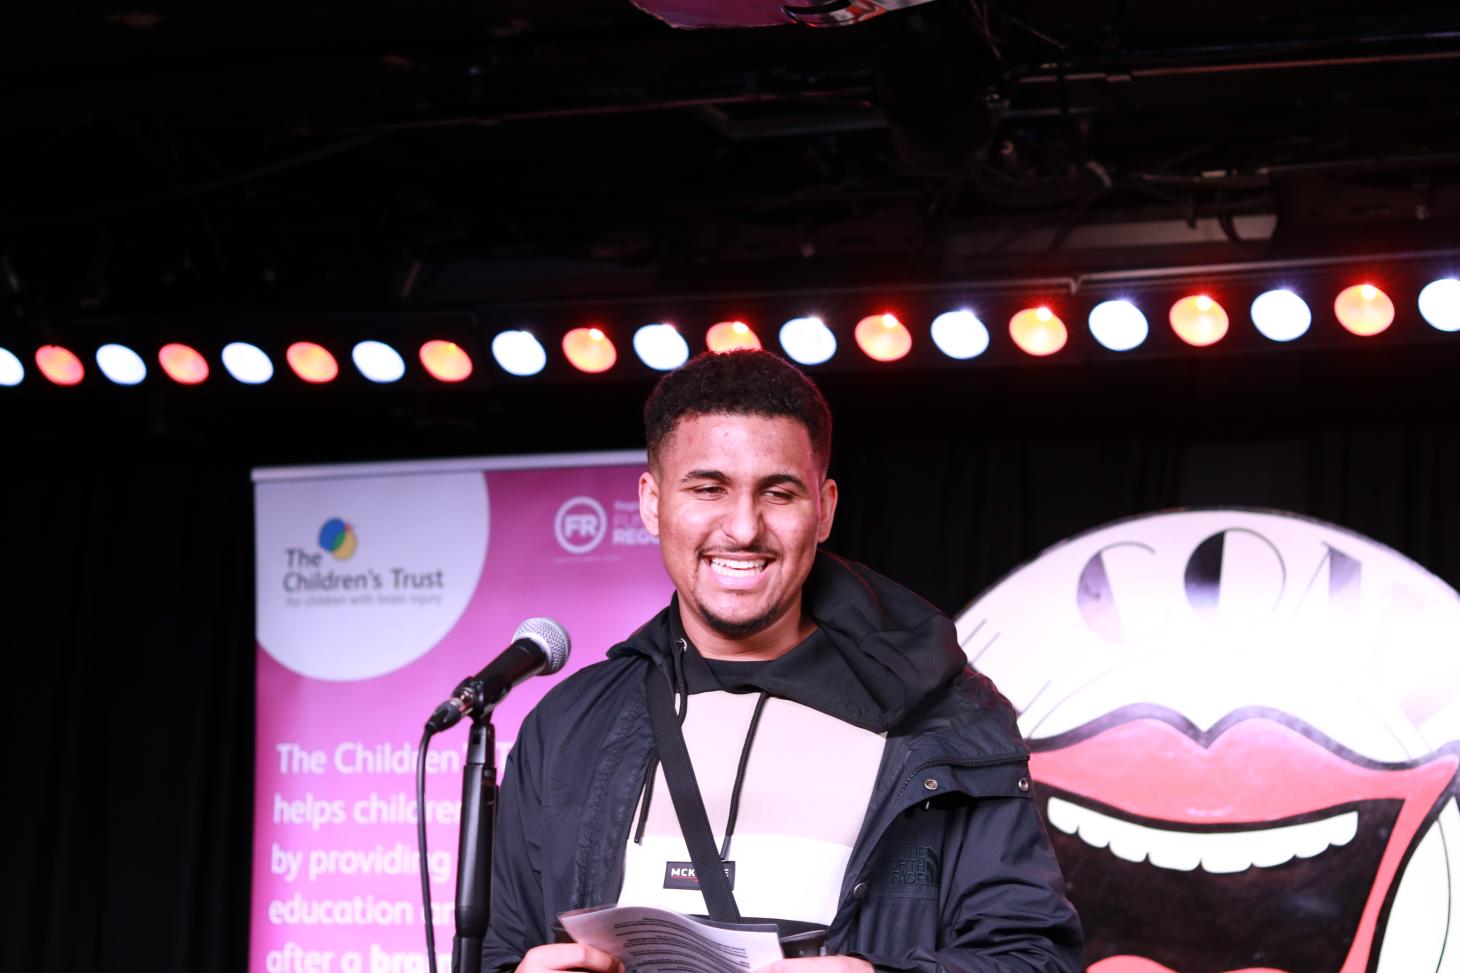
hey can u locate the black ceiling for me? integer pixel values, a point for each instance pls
(282, 157)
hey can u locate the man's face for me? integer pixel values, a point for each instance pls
(739, 504)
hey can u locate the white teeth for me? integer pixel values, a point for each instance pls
(738, 568)
(1218, 852)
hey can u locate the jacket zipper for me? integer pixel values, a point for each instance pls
(1008, 758)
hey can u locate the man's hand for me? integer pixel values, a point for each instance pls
(570, 956)
(818, 964)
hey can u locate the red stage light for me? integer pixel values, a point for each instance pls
(589, 350)
(729, 335)
(1198, 320)
(1038, 331)
(183, 364)
(1364, 310)
(60, 365)
(312, 362)
(883, 338)
(445, 360)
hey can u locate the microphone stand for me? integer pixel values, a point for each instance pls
(474, 852)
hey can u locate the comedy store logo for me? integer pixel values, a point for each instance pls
(338, 538)
(1246, 732)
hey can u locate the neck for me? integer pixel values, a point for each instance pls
(772, 642)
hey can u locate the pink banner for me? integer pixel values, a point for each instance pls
(379, 588)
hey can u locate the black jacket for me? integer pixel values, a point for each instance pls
(952, 869)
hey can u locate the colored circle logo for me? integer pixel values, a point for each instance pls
(338, 538)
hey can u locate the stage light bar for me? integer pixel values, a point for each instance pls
(808, 341)
(661, 347)
(12, 372)
(1118, 325)
(960, 334)
(121, 364)
(519, 353)
(1439, 304)
(1038, 331)
(882, 337)
(729, 335)
(183, 363)
(312, 362)
(1281, 315)
(1265, 314)
(59, 365)
(1364, 310)
(247, 363)
(446, 361)
(378, 362)
(589, 350)
(1199, 320)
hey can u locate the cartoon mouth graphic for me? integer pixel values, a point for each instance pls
(1259, 845)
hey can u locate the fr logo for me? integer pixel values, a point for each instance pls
(1246, 731)
(580, 525)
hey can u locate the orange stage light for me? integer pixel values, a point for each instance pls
(883, 338)
(183, 364)
(445, 360)
(1364, 310)
(312, 362)
(1199, 321)
(589, 350)
(729, 335)
(60, 365)
(1038, 331)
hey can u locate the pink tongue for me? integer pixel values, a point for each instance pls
(1139, 964)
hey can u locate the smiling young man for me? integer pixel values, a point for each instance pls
(855, 773)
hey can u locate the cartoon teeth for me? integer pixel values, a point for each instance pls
(1217, 852)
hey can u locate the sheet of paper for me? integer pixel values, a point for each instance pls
(657, 941)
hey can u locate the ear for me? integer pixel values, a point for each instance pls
(649, 502)
(828, 509)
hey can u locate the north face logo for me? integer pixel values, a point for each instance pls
(914, 865)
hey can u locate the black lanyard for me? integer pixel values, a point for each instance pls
(684, 791)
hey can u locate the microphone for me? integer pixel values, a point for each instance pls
(539, 648)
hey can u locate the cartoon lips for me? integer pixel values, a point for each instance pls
(1260, 845)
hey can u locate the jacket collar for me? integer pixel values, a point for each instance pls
(879, 655)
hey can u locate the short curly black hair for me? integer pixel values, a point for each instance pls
(744, 382)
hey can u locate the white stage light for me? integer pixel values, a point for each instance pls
(12, 372)
(960, 334)
(808, 341)
(1281, 315)
(1439, 304)
(121, 364)
(1118, 325)
(660, 346)
(378, 361)
(247, 363)
(519, 353)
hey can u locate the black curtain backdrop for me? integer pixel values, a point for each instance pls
(128, 609)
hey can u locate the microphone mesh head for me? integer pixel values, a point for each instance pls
(551, 636)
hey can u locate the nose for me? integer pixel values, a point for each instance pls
(741, 523)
